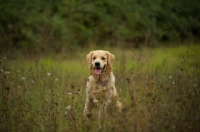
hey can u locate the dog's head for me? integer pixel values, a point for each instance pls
(100, 61)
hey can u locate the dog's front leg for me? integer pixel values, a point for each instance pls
(88, 107)
(102, 110)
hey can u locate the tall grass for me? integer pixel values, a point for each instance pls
(159, 89)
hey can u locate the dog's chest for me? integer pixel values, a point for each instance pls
(101, 85)
(100, 88)
(101, 91)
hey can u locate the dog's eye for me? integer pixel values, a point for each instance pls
(103, 58)
(94, 58)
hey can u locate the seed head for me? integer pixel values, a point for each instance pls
(95, 101)
(68, 108)
(56, 80)
(6, 72)
(23, 78)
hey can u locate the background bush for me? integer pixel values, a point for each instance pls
(36, 23)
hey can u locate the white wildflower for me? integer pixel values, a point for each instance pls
(49, 74)
(6, 72)
(18, 86)
(56, 80)
(15, 61)
(95, 101)
(68, 108)
(173, 82)
(1, 70)
(170, 77)
(69, 93)
(32, 81)
(23, 78)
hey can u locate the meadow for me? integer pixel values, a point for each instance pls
(158, 87)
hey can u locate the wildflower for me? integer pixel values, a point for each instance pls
(1, 70)
(56, 80)
(6, 72)
(15, 61)
(18, 86)
(170, 77)
(49, 74)
(95, 101)
(69, 93)
(68, 108)
(174, 82)
(32, 81)
(23, 78)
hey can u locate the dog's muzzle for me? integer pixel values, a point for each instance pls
(97, 68)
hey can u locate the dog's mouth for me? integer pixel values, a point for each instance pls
(98, 70)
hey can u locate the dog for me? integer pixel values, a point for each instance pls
(100, 86)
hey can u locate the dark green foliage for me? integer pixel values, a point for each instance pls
(36, 23)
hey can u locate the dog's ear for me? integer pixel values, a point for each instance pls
(89, 57)
(89, 60)
(110, 59)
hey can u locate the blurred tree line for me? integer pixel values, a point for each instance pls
(40, 23)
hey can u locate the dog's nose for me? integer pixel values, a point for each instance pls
(97, 64)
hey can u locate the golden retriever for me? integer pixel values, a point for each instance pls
(101, 82)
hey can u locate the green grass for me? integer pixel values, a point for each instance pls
(158, 87)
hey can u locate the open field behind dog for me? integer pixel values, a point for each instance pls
(159, 89)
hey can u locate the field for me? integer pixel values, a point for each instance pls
(158, 87)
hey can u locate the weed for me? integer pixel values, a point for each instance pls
(159, 91)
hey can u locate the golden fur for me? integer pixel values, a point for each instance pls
(101, 87)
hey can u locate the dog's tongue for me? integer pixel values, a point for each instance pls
(98, 71)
